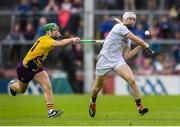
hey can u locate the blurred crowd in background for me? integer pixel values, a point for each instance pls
(68, 14)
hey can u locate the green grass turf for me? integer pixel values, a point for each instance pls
(111, 110)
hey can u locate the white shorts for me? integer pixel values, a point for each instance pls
(104, 66)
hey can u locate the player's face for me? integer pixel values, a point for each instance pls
(130, 21)
(55, 33)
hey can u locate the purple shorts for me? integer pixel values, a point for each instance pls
(25, 75)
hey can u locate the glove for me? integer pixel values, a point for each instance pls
(149, 51)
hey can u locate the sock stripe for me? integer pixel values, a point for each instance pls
(50, 106)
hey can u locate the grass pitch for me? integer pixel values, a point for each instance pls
(111, 111)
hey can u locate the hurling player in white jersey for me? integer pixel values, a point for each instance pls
(115, 51)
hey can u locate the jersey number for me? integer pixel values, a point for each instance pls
(35, 46)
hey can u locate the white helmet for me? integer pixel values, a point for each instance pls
(126, 15)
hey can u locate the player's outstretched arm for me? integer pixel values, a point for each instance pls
(137, 40)
(65, 42)
(140, 42)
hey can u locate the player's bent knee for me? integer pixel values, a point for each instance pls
(131, 81)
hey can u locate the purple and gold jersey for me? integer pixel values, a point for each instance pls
(38, 53)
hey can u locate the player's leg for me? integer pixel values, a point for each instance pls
(17, 86)
(97, 86)
(125, 72)
(43, 79)
(24, 76)
(103, 67)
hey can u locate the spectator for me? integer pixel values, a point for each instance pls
(51, 6)
(152, 4)
(64, 17)
(129, 5)
(144, 21)
(35, 5)
(21, 9)
(177, 52)
(66, 5)
(77, 6)
(139, 31)
(29, 33)
(23, 6)
(101, 4)
(168, 64)
(107, 4)
(74, 23)
(80, 31)
(165, 27)
(177, 26)
(158, 62)
(138, 61)
(14, 37)
(51, 11)
(29, 36)
(78, 52)
(177, 32)
(154, 32)
(64, 14)
(173, 12)
(105, 26)
(147, 67)
(154, 36)
(39, 31)
(43, 3)
(35, 8)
